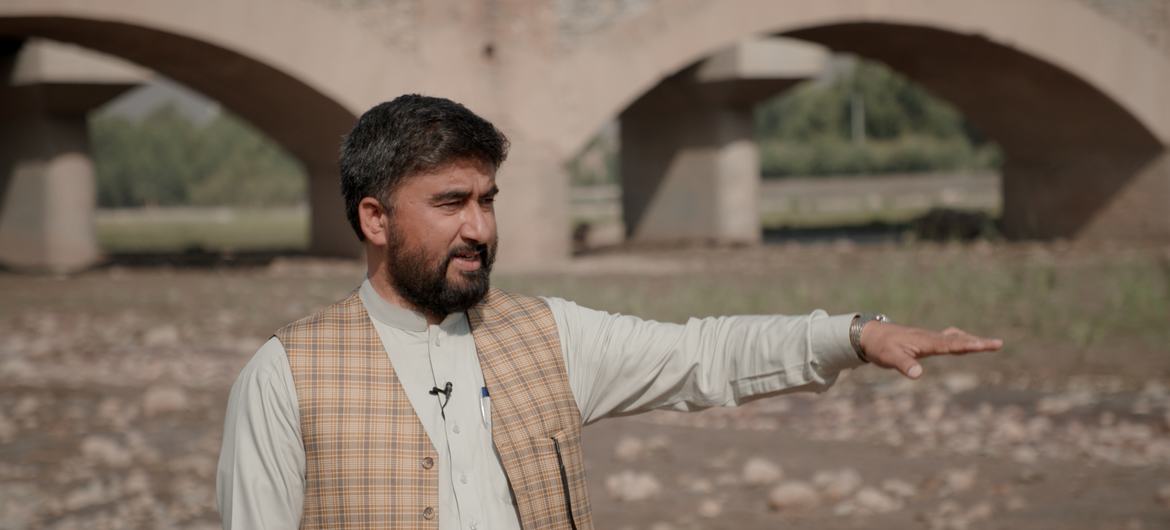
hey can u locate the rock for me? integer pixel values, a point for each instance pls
(1163, 494)
(19, 503)
(958, 480)
(92, 493)
(1062, 403)
(657, 443)
(934, 412)
(964, 443)
(628, 449)
(836, 485)
(632, 486)
(1010, 430)
(960, 382)
(27, 406)
(710, 508)
(981, 511)
(761, 472)
(726, 479)
(1156, 390)
(137, 483)
(846, 508)
(899, 488)
(161, 336)
(874, 501)
(161, 399)
(722, 460)
(202, 466)
(7, 428)
(700, 486)
(1029, 475)
(1015, 504)
(793, 496)
(18, 369)
(1025, 454)
(105, 450)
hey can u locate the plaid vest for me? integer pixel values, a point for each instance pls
(368, 461)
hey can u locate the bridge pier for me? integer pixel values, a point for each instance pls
(531, 208)
(329, 230)
(47, 191)
(689, 163)
(1089, 196)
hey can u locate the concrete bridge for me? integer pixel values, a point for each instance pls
(1073, 90)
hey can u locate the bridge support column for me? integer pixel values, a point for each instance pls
(47, 189)
(530, 210)
(689, 163)
(329, 231)
(693, 174)
(49, 195)
(1100, 196)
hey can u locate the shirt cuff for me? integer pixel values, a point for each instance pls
(830, 344)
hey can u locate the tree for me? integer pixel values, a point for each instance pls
(164, 159)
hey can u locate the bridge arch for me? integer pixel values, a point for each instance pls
(283, 86)
(1072, 97)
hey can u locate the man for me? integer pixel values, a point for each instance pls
(426, 399)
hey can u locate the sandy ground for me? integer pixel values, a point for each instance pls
(113, 386)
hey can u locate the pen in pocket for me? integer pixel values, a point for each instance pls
(485, 407)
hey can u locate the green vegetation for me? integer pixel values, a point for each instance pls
(860, 119)
(807, 219)
(1055, 308)
(165, 159)
(866, 119)
(178, 230)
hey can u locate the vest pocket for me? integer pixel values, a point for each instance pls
(564, 479)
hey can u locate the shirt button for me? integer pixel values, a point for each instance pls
(427, 462)
(428, 512)
(454, 429)
(463, 479)
(473, 525)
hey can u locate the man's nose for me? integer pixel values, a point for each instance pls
(477, 224)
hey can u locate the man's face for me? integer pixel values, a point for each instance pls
(442, 239)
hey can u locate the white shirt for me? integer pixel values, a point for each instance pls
(617, 365)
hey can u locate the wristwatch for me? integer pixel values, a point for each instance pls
(859, 321)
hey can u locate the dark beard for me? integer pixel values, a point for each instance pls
(425, 284)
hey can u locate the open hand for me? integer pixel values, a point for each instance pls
(893, 346)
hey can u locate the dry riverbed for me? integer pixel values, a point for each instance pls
(113, 385)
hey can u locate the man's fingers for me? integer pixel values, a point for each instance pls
(953, 331)
(956, 341)
(966, 343)
(900, 347)
(908, 366)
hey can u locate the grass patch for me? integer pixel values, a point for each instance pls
(775, 220)
(1083, 312)
(213, 229)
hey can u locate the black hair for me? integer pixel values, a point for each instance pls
(410, 135)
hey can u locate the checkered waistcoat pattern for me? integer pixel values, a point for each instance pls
(369, 462)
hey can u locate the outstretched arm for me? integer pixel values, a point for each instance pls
(619, 364)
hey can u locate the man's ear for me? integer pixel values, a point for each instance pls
(374, 220)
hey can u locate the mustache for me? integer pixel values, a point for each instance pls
(481, 250)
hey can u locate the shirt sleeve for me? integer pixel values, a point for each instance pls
(260, 477)
(620, 365)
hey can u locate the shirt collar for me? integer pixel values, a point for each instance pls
(396, 316)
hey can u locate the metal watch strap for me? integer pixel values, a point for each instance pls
(855, 327)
